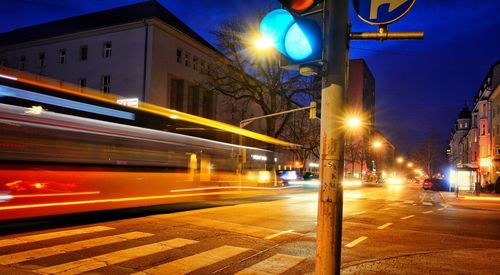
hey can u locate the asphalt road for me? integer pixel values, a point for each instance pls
(391, 229)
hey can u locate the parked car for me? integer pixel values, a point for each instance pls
(310, 176)
(435, 184)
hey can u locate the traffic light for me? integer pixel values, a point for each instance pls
(312, 110)
(296, 31)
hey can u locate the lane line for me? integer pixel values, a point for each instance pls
(427, 203)
(427, 212)
(52, 235)
(440, 209)
(356, 241)
(281, 233)
(69, 247)
(192, 263)
(409, 202)
(383, 209)
(357, 213)
(88, 264)
(385, 225)
(276, 264)
(407, 217)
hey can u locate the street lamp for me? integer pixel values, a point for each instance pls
(410, 164)
(263, 43)
(400, 160)
(377, 144)
(353, 122)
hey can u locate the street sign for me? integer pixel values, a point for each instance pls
(381, 12)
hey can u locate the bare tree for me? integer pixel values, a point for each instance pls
(304, 131)
(431, 153)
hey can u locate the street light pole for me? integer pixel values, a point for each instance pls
(330, 201)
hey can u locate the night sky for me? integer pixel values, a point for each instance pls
(421, 85)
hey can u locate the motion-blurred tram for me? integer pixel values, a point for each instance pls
(67, 150)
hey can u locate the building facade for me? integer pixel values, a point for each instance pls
(459, 142)
(479, 148)
(137, 51)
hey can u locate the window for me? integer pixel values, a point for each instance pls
(62, 56)
(187, 59)
(202, 66)
(497, 151)
(177, 95)
(22, 63)
(195, 63)
(208, 105)
(106, 83)
(83, 53)
(178, 55)
(106, 50)
(466, 124)
(194, 100)
(41, 59)
(82, 82)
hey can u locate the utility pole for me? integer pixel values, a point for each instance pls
(330, 201)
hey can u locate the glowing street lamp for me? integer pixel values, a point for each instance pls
(263, 43)
(377, 144)
(410, 164)
(400, 160)
(354, 122)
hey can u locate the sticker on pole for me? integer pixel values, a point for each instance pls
(381, 12)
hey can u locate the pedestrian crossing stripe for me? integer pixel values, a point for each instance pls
(88, 264)
(69, 247)
(194, 262)
(276, 264)
(52, 235)
(254, 231)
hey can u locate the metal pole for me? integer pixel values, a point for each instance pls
(329, 228)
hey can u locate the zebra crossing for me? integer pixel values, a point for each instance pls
(275, 264)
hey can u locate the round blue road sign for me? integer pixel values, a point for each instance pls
(381, 12)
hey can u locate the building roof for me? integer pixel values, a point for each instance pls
(116, 16)
(464, 113)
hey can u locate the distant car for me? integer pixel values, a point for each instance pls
(285, 176)
(310, 176)
(435, 184)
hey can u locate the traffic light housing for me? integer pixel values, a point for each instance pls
(296, 31)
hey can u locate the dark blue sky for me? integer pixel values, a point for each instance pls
(420, 84)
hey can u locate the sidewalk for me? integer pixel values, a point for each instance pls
(436, 262)
(485, 201)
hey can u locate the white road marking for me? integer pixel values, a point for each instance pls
(407, 217)
(427, 203)
(440, 209)
(255, 231)
(356, 241)
(385, 225)
(409, 202)
(192, 263)
(52, 235)
(80, 266)
(357, 213)
(383, 209)
(69, 247)
(276, 264)
(427, 212)
(280, 233)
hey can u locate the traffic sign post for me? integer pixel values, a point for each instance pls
(280, 24)
(381, 12)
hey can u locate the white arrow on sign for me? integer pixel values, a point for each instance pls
(393, 4)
